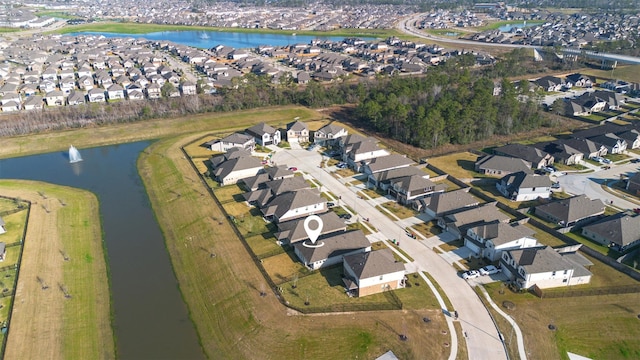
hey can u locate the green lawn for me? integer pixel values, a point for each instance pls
(459, 165)
(398, 210)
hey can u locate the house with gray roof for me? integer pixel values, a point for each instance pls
(384, 163)
(544, 268)
(372, 272)
(234, 165)
(297, 131)
(561, 151)
(535, 156)
(571, 211)
(521, 186)
(270, 189)
(235, 140)
(331, 249)
(2, 224)
(294, 205)
(501, 165)
(363, 152)
(613, 143)
(293, 231)
(489, 240)
(329, 134)
(409, 189)
(588, 148)
(440, 204)
(264, 134)
(633, 183)
(268, 174)
(383, 179)
(458, 223)
(620, 231)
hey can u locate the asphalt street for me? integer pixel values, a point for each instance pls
(483, 341)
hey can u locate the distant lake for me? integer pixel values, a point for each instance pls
(520, 25)
(209, 39)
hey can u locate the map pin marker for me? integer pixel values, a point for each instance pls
(313, 233)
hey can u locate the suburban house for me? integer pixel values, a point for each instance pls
(268, 174)
(372, 272)
(235, 140)
(620, 231)
(264, 134)
(297, 131)
(329, 134)
(611, 142)
(270, 189)
(633, 183)
(234, 165)
(188, 88)
(489, 240)
(586, 147)
(383, 179)
(407, 190)
(571, 211)
(586, 104)
(3, 250)
(115, 92)
(521, 186)
(545, 267)
(293, 231)
(580, 80)
(333, 249)
(501, 165)
(294, 205)
(96, 95)
(357, 149)
(34, 103)
(385, 163)
(76, 98)
(2, 228)
(54, 98)
(561, 152)
(458, 223)
(440, 204)
(550, 83)
(535, 156)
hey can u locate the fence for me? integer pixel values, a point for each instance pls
(571, 292)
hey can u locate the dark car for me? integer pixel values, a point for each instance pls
(330, 204)
(345, 216)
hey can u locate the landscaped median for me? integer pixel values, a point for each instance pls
(236, 313)
(62, 307)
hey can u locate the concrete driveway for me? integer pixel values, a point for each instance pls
(483, 341)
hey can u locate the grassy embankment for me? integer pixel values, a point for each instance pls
(150, 129)
(63, 223)
(137, 28)
(223, 292)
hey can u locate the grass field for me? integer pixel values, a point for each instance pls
(599, 327)
(223, 293)
(151, 129)
(626, 72)
(56, 327)
(398, 210)
(458, 165)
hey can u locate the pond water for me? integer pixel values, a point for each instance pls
(209, 39)
(520, 25)
(150, 318)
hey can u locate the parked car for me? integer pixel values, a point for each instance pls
(606, 161)
(635, 161)
(489, 270)
(346, 216)
(330, 204)
(471, 274)
(293, 168)
(555, 186)
(549, 169)
(636, 210)
(598, 159)
(341, 165)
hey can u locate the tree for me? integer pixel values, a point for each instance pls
(167, 89)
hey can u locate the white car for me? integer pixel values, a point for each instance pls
(489, 270)
(471, 274)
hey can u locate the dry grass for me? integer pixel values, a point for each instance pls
(45, 324)
(546, 238)
(223, 293)
(428, 229)
(398, 210)
(459, 165)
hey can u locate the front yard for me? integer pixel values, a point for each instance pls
(459, 165)
(402, 212)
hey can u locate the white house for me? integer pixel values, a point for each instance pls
(115, 92)
(237, 140)
(329, 134)
(234, 165)
(295, 204)
(96, 95)
(489, 240)
(54, 98)
(2, 228)
(544, 267)
(521, 186)
(297, 131)
(264, 134)
(372, 272)
(331, 250)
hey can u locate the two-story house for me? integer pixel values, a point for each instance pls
(331, 249)
(489, 240)
(329, 134)
(264, 134)
(235, 140)
(372, 272)
(521, 186)
(297, 131)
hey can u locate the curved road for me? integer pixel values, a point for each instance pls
(407, 26)
(483, 341)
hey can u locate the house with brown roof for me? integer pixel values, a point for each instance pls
(458, 223)
(293, 231)
(331, 249)
(538, 158)
(372, 272)
(385, 163)
(440, 204)
(501, 165)
(571, 211)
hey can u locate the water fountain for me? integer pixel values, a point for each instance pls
(74, 155)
